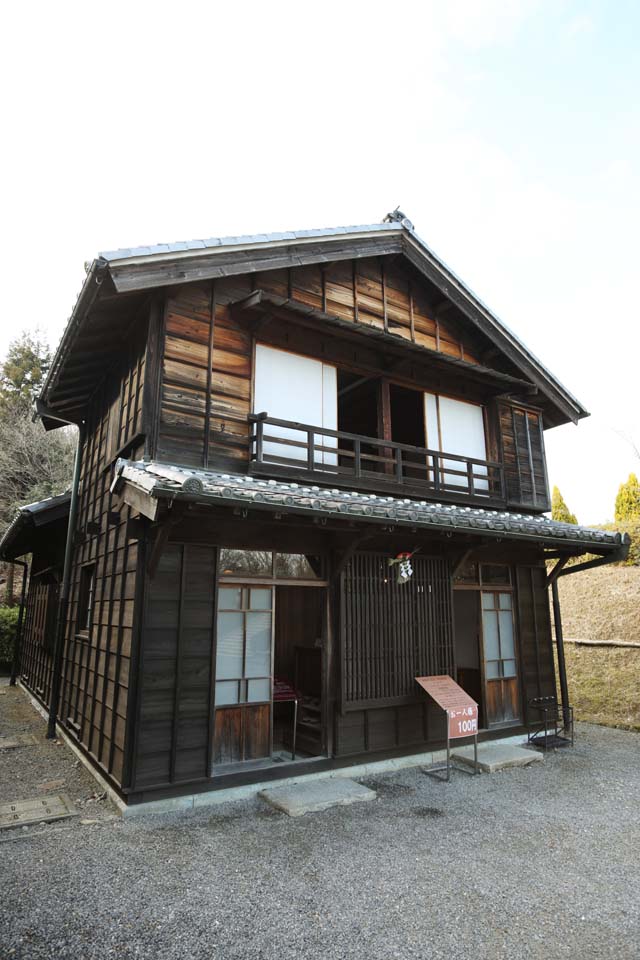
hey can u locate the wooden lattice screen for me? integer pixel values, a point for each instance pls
(393, 633)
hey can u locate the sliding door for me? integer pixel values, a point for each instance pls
(244, 653)
(289, 386)
(457, 427)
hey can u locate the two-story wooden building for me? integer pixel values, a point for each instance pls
(265, 422)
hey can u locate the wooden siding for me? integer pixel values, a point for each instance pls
(388, 728)
(375, 293)
(95, 681)
(208, 348)
(523, 457)
(534, 630)
(173, 737)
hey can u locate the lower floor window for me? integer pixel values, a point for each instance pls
(243, 658)
(499, 641)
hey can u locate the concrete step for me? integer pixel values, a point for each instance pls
(497, 756)
(301, 798)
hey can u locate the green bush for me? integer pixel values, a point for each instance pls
(8, 625)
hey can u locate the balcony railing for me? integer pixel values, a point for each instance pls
(301, 451)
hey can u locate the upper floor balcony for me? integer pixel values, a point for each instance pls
(312, 454)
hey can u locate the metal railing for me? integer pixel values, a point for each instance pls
(302, 450)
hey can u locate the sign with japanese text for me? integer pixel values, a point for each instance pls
(461, 710)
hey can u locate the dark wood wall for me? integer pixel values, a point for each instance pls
(173, 740)
(41, 608)
(523, 456)
(95, 685)
(37, 635)
(208, 353)
(535, 639)
(207, 357)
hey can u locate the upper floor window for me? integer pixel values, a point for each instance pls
(457, 427)
(289, 386)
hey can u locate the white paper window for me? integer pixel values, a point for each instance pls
(289, 386)
(455, 426)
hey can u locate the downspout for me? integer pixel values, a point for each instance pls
(17, 640)
(56, 672)
(562, 666)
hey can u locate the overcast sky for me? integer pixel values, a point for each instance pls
(508, 132)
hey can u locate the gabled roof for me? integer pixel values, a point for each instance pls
(160, 481)
(17, 538)
(138, 270)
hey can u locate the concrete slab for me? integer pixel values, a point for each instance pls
(21, 813)
(497, 756)
(301, 798)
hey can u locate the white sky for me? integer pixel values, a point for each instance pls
(508, 132)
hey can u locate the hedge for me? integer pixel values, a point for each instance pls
(8, 625)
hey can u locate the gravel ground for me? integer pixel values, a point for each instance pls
(538, 862)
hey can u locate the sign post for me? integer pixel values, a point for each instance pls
(461, 711)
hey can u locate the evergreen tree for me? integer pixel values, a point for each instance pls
(23, 371)
(559, 509)
(628, 500)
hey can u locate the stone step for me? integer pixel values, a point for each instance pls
(301, 798)
(497, 756)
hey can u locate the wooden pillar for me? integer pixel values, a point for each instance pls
(384, 421)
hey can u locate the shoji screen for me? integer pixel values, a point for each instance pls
(455, 426)
(289, 386)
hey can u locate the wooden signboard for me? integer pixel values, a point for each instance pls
(461, 710)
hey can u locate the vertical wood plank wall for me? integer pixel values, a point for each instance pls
(95, 685)
(534, 630)
(523, 456)
(174, 739)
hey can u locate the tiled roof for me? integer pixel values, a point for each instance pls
(33, 513)
(170, 481)
(248, 240)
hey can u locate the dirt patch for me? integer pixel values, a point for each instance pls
(39, 767)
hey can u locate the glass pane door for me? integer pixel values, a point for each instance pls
(500, 662)
(244, 647)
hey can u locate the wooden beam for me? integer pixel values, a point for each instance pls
(141, 502)
(347, 553)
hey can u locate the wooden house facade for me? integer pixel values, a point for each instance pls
(265, 423)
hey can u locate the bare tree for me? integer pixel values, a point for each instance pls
(34, 465)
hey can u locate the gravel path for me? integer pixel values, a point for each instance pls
(538, 862)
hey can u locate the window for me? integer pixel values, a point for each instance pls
(455, 426)
(243, 655)
(265, 565)
(85, 597)
(289, 386)
(498, 635)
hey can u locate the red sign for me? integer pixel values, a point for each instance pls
(461, 709)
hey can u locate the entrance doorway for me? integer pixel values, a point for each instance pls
(468, 646)
(485, 642)
(269, 664)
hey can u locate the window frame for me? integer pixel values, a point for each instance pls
(86, 599)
